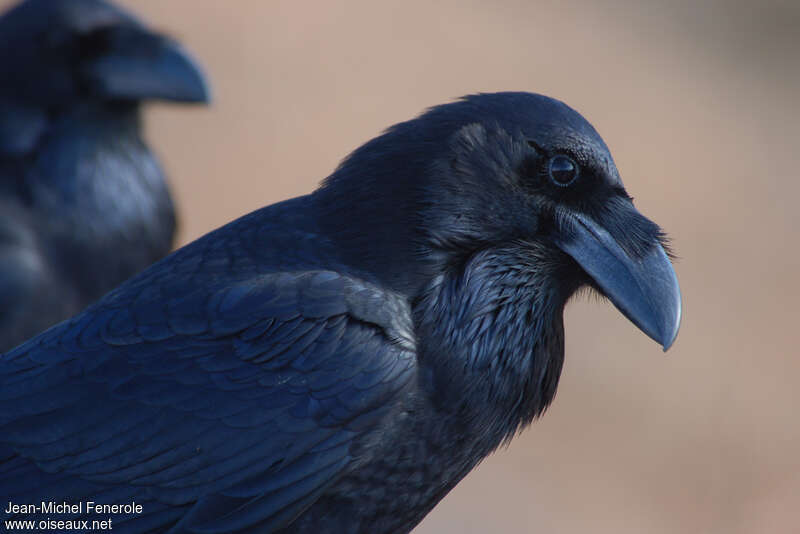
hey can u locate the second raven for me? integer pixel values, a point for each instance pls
(83, 202)
(339, 361)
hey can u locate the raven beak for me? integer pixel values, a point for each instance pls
(645, 289)
(142, 66)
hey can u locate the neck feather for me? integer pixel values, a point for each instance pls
(497, 334)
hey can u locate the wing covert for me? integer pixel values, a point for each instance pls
(245, 399)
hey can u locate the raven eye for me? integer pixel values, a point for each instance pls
(563, 170)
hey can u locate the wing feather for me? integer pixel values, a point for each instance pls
(238, 406)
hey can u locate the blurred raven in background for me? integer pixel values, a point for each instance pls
(83, 202)
(337, 362)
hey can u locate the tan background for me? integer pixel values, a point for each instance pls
(700, 108)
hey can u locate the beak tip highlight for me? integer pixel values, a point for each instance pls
(669, 339)
(663, 321)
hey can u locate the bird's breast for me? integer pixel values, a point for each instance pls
(111, 198)
(492, 342)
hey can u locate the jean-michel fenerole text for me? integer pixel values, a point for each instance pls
(88, 507)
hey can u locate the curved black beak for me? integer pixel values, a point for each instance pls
(643, 287)
(140, 65)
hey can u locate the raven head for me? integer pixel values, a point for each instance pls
(54, 53)
(531, 168)
(517, 170)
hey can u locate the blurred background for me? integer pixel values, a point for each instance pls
(698, 102)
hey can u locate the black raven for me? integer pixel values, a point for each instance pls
(83, 201)
(337, 362)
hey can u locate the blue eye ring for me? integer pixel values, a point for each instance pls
(562, 170)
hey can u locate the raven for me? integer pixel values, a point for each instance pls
(337, 362)
(83, 202)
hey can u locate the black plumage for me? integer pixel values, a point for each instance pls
(83, 201)
(337, 362)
